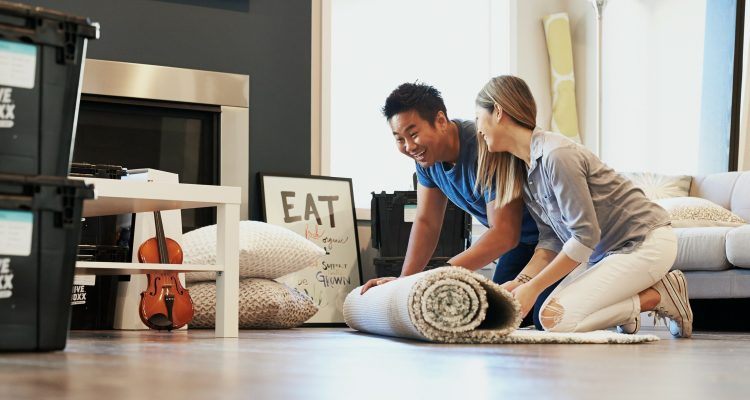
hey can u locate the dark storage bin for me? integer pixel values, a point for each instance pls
(40, 222)
(99, 230)
(104, 241)
(93, 306)
(97, 170)
(102, 253)
(39, 97)
(391, 225)
(391, 266)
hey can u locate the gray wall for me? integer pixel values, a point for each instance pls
(266, 39)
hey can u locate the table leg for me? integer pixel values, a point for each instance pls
(228, 281)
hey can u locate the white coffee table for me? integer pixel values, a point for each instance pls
(115, 197)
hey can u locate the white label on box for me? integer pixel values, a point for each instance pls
(17, 64)
(6, 279)
(16, 228)
(410, 212)
(84, 280)
(78, 296)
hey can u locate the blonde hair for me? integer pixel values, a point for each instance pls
(503, 170)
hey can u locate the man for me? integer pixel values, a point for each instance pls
(445, 154)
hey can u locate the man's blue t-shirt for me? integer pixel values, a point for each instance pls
(457, 182)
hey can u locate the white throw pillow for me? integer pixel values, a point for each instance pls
(688, 212)
(266, 251)
(657, 186)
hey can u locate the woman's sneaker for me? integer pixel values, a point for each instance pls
(674, 305)
(630, 328)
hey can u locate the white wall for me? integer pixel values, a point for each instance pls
(532, 61)
(583, 36)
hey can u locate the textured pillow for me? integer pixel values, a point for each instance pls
(266, 251)
(264, 304)
(687, 212)
(657, 186)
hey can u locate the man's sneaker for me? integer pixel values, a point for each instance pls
(632, 327)
(674, 305)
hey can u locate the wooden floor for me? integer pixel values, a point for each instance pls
(330, 363)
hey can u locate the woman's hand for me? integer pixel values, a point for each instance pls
(376, 282)
(526, 295)
(510, 285)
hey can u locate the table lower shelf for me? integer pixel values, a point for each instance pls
(119, 268)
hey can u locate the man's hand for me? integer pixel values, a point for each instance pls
(376, 282)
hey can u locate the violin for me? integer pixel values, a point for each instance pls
(165, 304)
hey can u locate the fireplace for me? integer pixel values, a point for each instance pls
(189, 122)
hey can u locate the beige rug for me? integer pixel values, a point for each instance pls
(453, 305)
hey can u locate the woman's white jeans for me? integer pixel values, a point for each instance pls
(605, 294)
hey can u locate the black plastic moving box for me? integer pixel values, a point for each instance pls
(391, 266)
(41, 57)
(98, 230)
(40, 224)
(392, 216)
(93, 303)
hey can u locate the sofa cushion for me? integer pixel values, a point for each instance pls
(686, 212)
(738, 246)
(733, 283)
(702, 249)
(658, 186)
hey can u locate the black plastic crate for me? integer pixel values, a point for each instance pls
(102, 239)
(105, 171)
(93, 306)
(39, 97)
(99, 231)
(391, 266)
(40, 223)
(102, 253)
(391, 224)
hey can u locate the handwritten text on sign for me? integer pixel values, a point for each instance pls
(321, 211)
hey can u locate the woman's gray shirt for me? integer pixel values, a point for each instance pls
(581, 205)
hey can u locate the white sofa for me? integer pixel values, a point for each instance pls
(716, 260)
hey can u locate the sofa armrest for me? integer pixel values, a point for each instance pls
(738, 246)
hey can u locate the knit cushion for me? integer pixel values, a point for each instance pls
(264, 304)
(266, 251)
(687, 212)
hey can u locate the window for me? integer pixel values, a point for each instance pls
(669, 99)
(377, 45)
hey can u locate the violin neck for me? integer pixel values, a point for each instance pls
(161, 238)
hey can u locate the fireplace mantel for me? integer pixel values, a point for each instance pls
(230, 92)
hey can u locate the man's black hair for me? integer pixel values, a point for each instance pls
(424, 99)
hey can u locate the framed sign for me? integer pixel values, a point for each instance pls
(322, 210)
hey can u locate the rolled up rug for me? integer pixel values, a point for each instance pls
(454, 305)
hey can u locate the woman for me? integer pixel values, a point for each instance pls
(613, 246)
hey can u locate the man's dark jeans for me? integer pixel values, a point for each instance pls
(510, 265)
